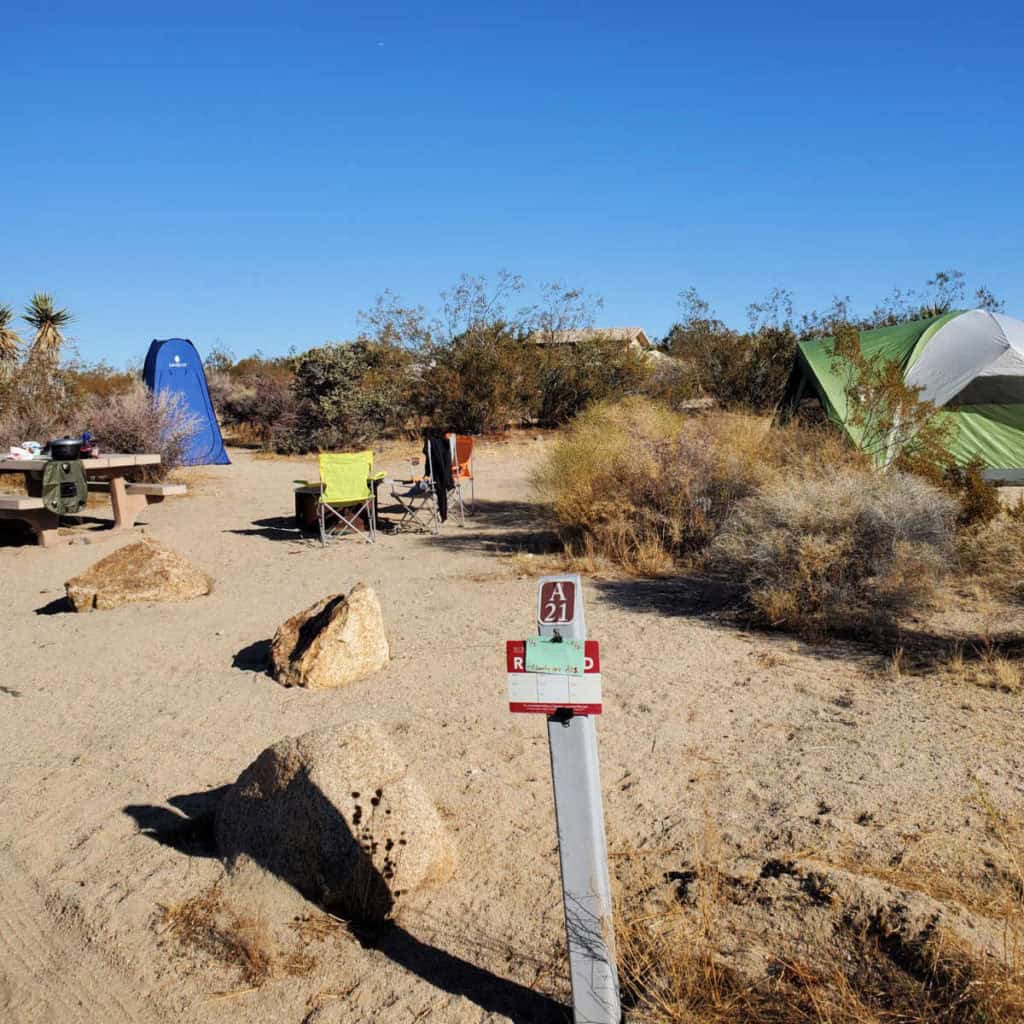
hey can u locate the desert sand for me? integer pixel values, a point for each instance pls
(119, 728)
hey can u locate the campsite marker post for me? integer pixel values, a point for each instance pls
(570, 699)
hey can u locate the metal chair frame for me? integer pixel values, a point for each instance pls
(456, 490)
(418, 503)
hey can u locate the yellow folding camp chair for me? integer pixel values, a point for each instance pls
(346, 493)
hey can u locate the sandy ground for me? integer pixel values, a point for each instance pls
(117, 727)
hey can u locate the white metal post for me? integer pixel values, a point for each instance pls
(582, 847)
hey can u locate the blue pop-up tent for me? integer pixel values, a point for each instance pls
(174, 365)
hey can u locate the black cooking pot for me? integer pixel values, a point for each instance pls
(65, 448)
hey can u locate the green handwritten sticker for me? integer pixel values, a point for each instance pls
(546, 655)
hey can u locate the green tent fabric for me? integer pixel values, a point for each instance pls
(969, 363)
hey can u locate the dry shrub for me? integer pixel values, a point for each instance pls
(854, 550)
(992, 555)
(978, 498)
(33, 403)
(604, 480)
(142, 421)
(37, 404)
(640, 485)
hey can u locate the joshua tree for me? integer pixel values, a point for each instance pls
(48, 321)
(10, 343)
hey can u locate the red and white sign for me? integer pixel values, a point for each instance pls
(556, 604)
(545, 693)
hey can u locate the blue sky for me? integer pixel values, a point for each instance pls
(251, 175)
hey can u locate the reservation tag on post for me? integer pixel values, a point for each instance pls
(546, 693)
(545, 654)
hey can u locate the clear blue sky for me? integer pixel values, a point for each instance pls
(253, 174)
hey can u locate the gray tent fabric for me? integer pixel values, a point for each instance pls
(975, 344)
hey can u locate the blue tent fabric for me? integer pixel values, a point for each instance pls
(174, 365)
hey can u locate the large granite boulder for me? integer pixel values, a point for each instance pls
(143, 572)
(335, 814)
(334, 643)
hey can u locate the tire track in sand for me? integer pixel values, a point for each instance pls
(48, 973)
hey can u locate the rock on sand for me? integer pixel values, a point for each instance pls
(337, 641)
(335, 814)
(143, 572)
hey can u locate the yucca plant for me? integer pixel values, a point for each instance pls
(10, 343)
(48, 321)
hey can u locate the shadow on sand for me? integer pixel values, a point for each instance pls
(58, 606)
(274, 528)
(499, 527)
(189, 828)
(253, 658)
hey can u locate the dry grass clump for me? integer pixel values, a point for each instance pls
(209, 925)
(992, 556)
(205, 924)
(681, 947)
(856, 549)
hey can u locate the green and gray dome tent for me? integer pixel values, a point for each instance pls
(970, 364)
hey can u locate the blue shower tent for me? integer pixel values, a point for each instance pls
(174, 365)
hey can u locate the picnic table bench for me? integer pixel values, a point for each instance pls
(104, 473)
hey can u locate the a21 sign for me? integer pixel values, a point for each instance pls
(557, 603)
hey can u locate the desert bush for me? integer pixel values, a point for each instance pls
(480, 382)
(978, 499)
(348, 394)
(254, 397)
(141, 421)
(600, 478)
(33, 402)
(257, 408)
(992, 556)
(850, 551)
(98, 380)
(566, 378)
(642, 485)
(672, 382)
(738, 370)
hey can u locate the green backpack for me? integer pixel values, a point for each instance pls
(64, 487)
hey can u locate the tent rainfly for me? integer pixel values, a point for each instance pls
(970, 364)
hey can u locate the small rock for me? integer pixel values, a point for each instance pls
(143, 572)
(334, 643)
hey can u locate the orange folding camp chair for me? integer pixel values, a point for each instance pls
(462, 472)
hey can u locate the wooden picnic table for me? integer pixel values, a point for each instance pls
(103, 473)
